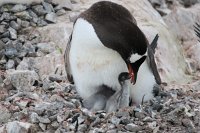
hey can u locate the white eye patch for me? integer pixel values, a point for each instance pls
(135, 57)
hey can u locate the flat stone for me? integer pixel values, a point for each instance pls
(39, 10)
(21, 79)
(2, 29)
(10, 64)
(18, 8)
(13, 33)
(4, 114)
(23, 15)
(10, 52)
(14, 25)
(42, 126)
(133, 128)
(19, 127)
(60, 12)
(51, 17)
(44, 120)
(66, 4)
(34, 117)
(48, 7)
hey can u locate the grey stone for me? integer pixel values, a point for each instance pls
(133, 128)
(55, 124)
(34, 117)
(19, 127)
(46, 48)
(25, 24)
(41, 22)
(23, 15)
(5, 35)
(22, 79)
(66, 4)
(139, 115)
(13, 33)
(42, 126)
(14, 25)
(51, 17)
(10, 52)
(48, 7)
(18, 8)
(60, 12)
(39, 10)
(44, 120)
(2, 29)
(114, 120)
(4, 114)
(7, 16)
(10, 64)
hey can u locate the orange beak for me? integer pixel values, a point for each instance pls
(131, 73)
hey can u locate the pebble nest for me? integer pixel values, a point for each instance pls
(53, 105)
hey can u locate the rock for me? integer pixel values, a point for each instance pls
(46, 48)
(139, 115)
(114, 120)
(4, 114)
(21, 79)
(188, 123)
(13, 33)
(2, 29)
(41, 22)
(44, 120)
(60, 12)
(34, 117)
(133, 128)
(23, 15)
(10, 64)
(18, 8)
(48, 7)
(19, 127)
(10, 52)
(14, 25)
(66, 4)
(54, 61)
(39, 10)
(42, 126)
(51, 17)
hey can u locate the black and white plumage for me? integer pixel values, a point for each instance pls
(105, 42)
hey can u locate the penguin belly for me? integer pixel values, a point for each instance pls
(92, 64)
(144, 85)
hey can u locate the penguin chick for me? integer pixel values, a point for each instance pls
(98, 100)
(120, 99)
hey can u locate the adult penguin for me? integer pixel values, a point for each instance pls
(105, 42)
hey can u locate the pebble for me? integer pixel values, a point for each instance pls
(13, 33)
(51, 17)
(133, 128)
(18, 8)
(44, 120)
(42, 126)
(24, 15)
(14, 25)
(39, 10)
(10, 64)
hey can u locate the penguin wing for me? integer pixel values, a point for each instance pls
(151, 60)
(197, 30)
(66, 59)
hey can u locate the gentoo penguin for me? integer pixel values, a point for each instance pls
(120, 98)
(148, 80)
(197, 30)
(105, 42)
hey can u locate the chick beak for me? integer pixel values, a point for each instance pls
(131, 74)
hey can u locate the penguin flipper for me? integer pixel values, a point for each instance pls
(66, 60)
(151, 60)
(197, 30)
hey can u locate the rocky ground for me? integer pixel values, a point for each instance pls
(36, 97)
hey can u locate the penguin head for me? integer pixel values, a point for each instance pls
(123, 77)
(134, 67)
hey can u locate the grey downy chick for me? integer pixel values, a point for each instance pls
(98, 100)
(120, 99)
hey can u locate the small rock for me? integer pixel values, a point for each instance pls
(55, 124)
(114, 120)
(44, 120)
(14, 25)
(18, 8)
(60, 118)
(42, 126)
(22, 79)
(10, 64)
(46, 47)
(147, 119)
(133, 128)
(39, 10)
(19, 127)
(188, 123)
(55, 78)
(139, 115)
(66, 4)
(51, 17)
(41, 22)
(4, 114)
(13, 33)
(2, 29)
(10, 52)
(60, 12)
(48, 7)
(23, 15)
(34, 117)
